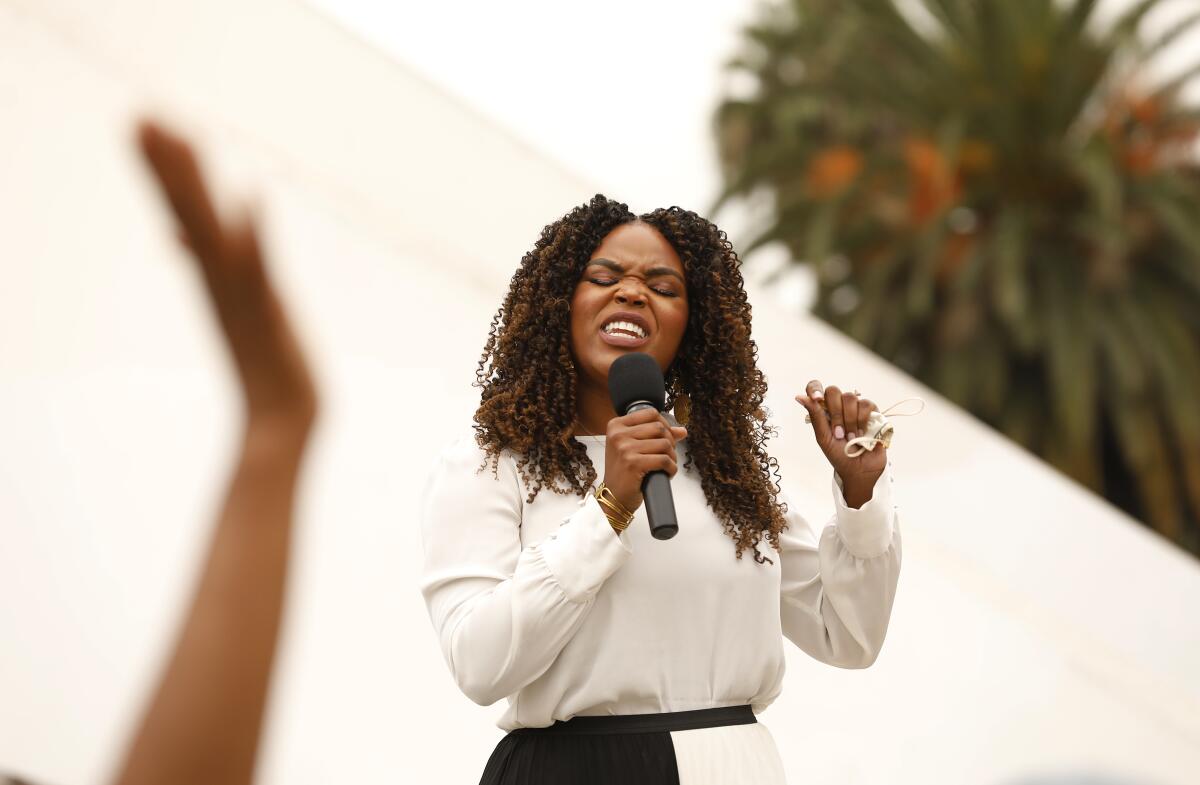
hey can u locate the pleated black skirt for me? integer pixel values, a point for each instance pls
(724, 745)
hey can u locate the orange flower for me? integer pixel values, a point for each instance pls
(934, 186)
(832, 170)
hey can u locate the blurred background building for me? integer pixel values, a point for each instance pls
(1003, 225)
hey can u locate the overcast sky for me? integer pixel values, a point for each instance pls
(619, 91)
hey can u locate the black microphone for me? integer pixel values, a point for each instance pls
(636, 382)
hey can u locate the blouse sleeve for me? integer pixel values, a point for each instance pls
(502, 613)
(836, 590)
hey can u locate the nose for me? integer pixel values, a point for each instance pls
(629, 291)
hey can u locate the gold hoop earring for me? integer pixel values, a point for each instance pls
(683, 408)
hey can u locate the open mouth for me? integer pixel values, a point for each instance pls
(618, 327)
(623, 333)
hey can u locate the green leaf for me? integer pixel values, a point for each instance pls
(1124, 363)
(1070, 356)
(1009, 283)
(919, 297)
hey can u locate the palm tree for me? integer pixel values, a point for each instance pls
(993, 198)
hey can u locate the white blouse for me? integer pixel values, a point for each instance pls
(545, 605)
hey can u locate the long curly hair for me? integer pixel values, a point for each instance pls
(528, 378)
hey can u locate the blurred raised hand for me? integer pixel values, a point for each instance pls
(205, 715)
(274, 375)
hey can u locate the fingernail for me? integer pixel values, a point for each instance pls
(851, 434)
(838, 432)
(818, 395)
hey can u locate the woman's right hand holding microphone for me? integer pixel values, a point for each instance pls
(638, 443)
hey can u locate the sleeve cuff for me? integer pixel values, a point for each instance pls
(867, 531)
(584, 552)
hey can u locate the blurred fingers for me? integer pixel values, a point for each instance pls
(182, 236)
(244, 251)
(178, 174)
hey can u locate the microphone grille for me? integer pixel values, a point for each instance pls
(636, 377)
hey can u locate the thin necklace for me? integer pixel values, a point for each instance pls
(592, 435)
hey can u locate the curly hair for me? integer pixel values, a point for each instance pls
(528, 378)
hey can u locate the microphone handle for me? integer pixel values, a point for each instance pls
(656, 495)
(660, 505)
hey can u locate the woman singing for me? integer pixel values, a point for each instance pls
(625, 658)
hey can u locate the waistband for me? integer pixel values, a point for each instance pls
(648, 723)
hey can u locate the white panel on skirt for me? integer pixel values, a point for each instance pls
(728, 755)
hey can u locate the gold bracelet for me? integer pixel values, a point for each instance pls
(620, 517)
(616, 527)
(605, 494)
(616, 512)
(618, 521)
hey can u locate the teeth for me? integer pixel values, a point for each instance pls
(629, 327)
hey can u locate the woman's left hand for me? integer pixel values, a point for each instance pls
(843, 417)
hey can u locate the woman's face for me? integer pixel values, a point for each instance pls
(633, 280)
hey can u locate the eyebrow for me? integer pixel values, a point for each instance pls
(653, 271)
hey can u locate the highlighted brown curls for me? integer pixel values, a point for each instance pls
(529, 384)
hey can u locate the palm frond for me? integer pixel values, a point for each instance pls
(1007, 174)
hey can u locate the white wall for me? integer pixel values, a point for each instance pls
(1037, 629)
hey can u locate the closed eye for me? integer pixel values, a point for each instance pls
(606, 282)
